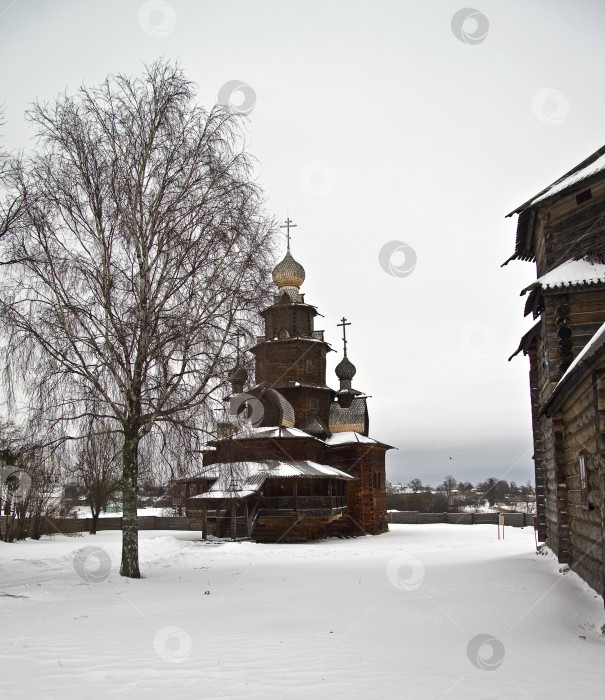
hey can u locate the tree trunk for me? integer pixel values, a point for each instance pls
(130, 533)
(95, 518)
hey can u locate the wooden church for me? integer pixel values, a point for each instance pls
(292, 461)
(562, 230)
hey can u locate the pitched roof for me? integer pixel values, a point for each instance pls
(265, 433)
(591, 355)
(580, 176)
(350, 437)
(353, 417)
(592, 346)
(573, 179)
(243, 479)
(570, 274)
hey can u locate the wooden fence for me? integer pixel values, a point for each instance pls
(70, 526)
(151, 522)
(510, 519)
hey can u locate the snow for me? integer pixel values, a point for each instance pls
(272, 432)
(307, 468)
(245, 478)
(393, 616)
(222, 494)
(567, 181)
(597, 339)
(571, 273)
(347, 437)
(83, 511)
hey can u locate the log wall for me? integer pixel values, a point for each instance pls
(565, 225)
(366, 496)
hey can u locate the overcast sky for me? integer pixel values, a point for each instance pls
(381, 127)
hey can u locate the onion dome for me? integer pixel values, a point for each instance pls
(288, 275)
(345, 369)
(238, 376)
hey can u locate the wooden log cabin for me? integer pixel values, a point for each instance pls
(292, 461)
(562, 230)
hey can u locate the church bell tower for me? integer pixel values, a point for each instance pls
(291, 357)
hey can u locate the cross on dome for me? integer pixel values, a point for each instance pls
(288, 225)
(345, 369)
(288, 274)
(344, 325)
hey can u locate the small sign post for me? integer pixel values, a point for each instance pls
(500, 522)
(178, 503)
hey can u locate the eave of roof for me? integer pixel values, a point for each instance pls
(291, 303)
(267, 433)
(571, 273)
(581, 176)
(527, 339)
(290, 339)
(351, 438)
(243, 479)
(573, 179)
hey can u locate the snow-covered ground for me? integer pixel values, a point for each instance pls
(425, 611)
(84, 512)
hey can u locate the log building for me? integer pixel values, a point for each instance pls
(562, 230)
(299, 465)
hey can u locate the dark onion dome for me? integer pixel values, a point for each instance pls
(237, 375)
(345, 369)
(288, 273)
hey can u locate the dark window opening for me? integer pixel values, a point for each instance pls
(309, 366)
(313, 406)
(583, 196)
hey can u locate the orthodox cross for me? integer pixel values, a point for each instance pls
(344, 325)
(288, 225)
(238, 335)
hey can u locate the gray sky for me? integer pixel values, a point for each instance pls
(373, 122)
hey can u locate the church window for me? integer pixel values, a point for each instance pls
(309, 366)
(376, 480)
(313, 406)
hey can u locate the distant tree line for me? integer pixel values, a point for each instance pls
(453, 495)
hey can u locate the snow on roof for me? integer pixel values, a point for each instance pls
(305, 468)
(593, 344)
(571, 273)
(272, 432)
(571, 179)
(348, 437)
(592, 165)
(221, 495)
(242, 479)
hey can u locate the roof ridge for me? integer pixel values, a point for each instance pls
(586, 162)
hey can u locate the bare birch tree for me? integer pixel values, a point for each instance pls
(97, 467)
(10, 176)
(141, 244)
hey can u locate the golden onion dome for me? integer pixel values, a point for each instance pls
(288, 273)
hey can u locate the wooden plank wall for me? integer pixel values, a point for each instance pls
(580, 414)
(568, 226)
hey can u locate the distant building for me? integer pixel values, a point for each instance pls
(304, 466)
(562, 230)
